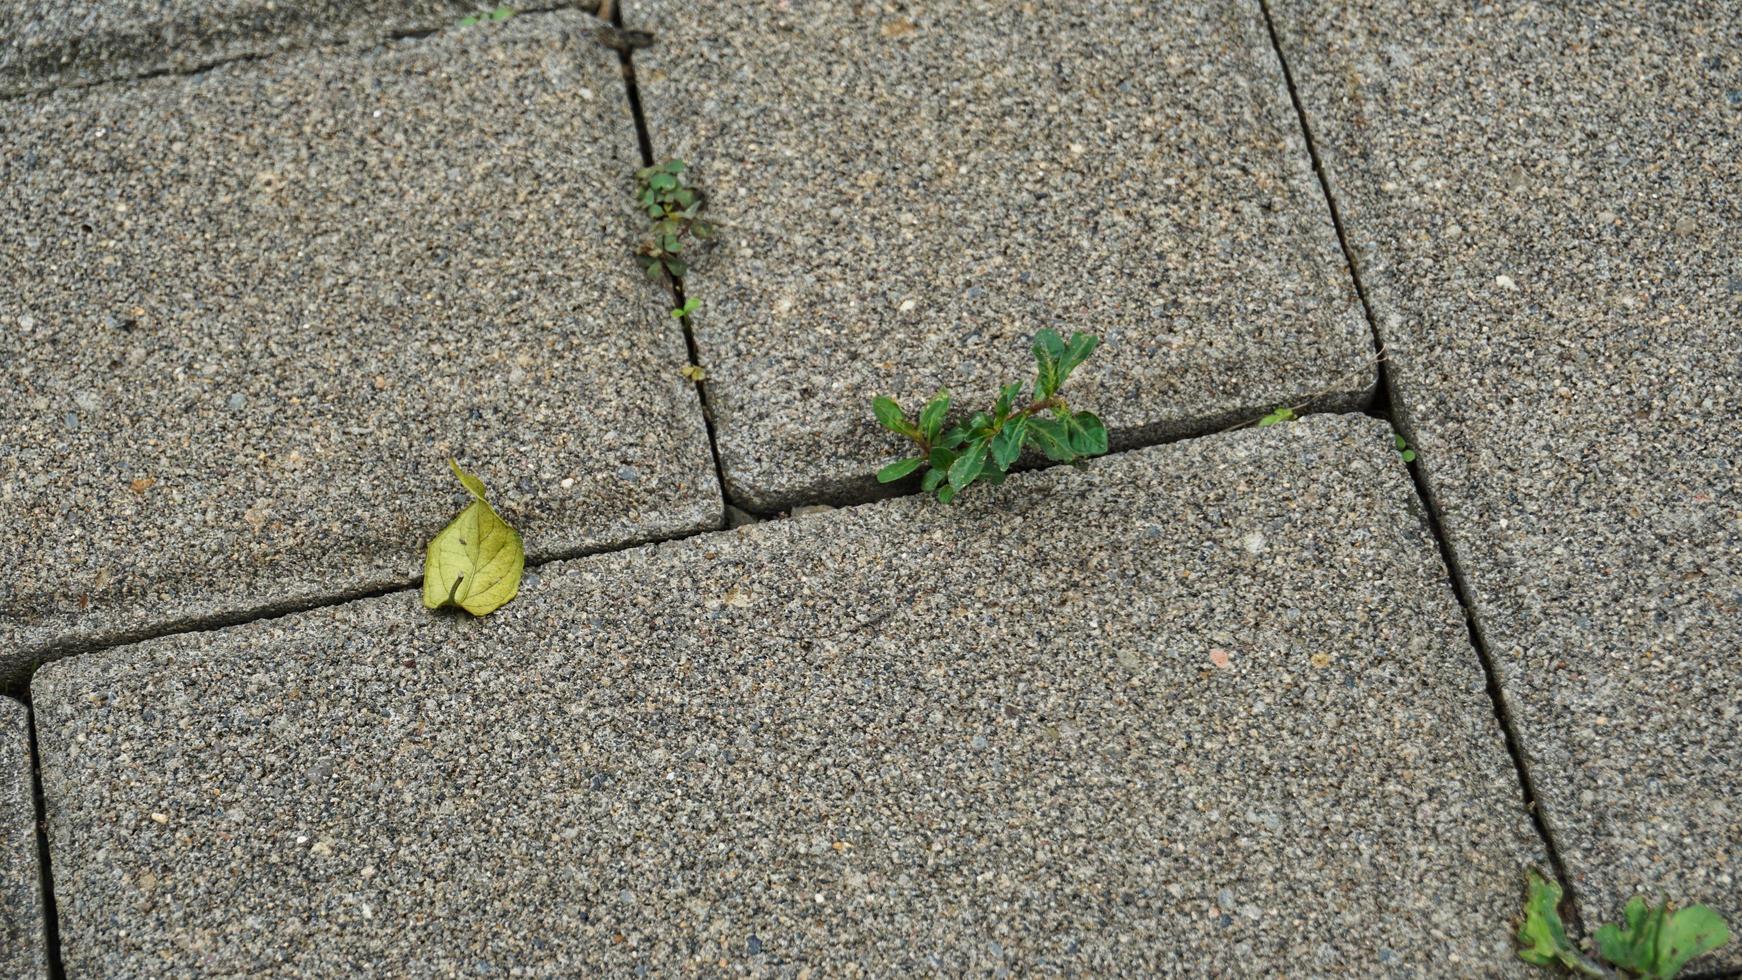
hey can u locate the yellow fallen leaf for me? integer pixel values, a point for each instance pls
(476, 561)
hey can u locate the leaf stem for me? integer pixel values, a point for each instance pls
(1037, 406)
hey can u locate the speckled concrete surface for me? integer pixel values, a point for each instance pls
(23, 942)
(910, 196)
(1545, 204)
(1229, 723)
(48, 43)
(252, 312)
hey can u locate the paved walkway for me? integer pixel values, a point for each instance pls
(1229, 701)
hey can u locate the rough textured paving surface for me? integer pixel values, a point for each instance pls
(909, 197)
(23, 946)
(46, 43)
(252, 312)
(1237, 728)
(1544, 206)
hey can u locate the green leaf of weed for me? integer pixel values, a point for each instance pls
(1052, 438)
(889, 414)
(897, 470)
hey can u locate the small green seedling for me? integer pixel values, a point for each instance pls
(1283, 414)
(476, 561)
(1654, 944)
(688, 307)
(500, 13)
(674, 210)
(1403, 449)
(1542, 937)
(985, 447)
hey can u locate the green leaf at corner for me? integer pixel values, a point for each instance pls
(1052, 438)
(468, 21)
(1685, 934)
(1542, 937)
(1007, 445)
(1635, 946)
(1656, 943)
(897, 470)
(1076, 352)
(1049, 347)
(477, 560)
(889, 414)
(502, 13)
(931, 418)
(1283, 414)
(968, 465)
(1087, 435)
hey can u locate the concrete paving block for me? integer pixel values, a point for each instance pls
(50, 43)
(908, 197)
(1206, 709)
(251, 314)
(23, 942)
(1544, 202)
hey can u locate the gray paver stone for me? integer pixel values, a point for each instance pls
(252, 312)
(23, 942)
(48, 43)
(908, 197)
(1234, 728)
(1544, 202)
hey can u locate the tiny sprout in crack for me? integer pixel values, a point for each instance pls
(673, 211)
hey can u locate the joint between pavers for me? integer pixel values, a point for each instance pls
(1386, 407)
(18, 684)
(50, 934)
(613, 13)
